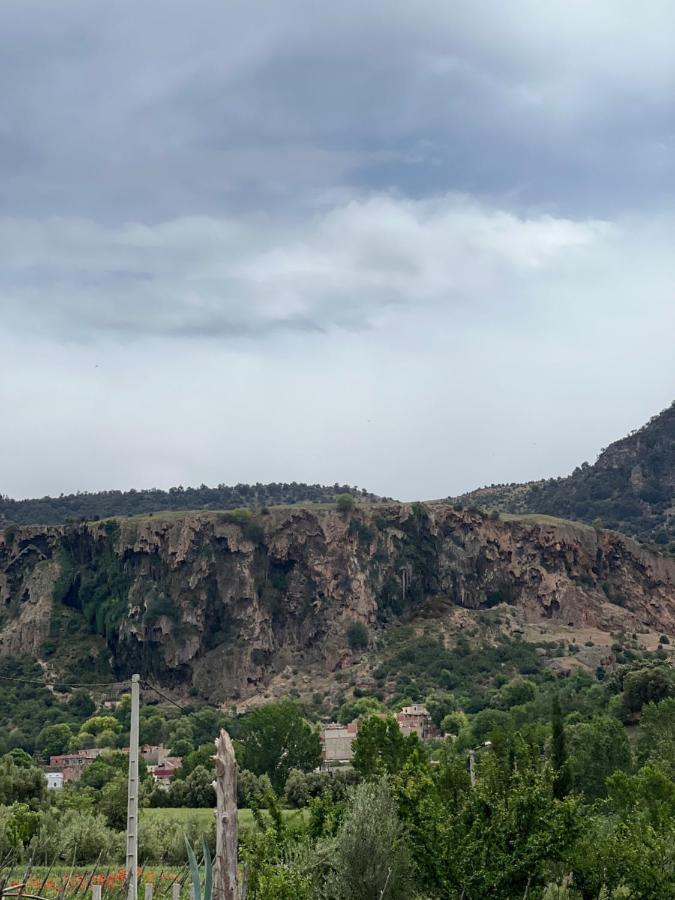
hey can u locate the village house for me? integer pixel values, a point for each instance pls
(337, 740)
(336, 743)
(164, 772)
(72, 765)
(416, 719)
(54, 781)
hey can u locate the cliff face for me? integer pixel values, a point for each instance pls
(223, 602)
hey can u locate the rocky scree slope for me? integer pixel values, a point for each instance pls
(220, 603)
(631, 487)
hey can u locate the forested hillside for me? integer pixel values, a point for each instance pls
(105, 504)
(629, 488)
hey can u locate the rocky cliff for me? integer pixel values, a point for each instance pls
(222, 602)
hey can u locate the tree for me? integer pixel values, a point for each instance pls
(510, 829)
(379, 747)
(152, 729)
(561, 777)
(345, 503)
(454, 722)
(633, 846)
(20, 783)
(596, 750)
(101, 723)
(275, 738)
(440, 703)
(202, 756)
(81, 705)
(113, 802)
(53, 739)
(649, 684)
(200, 792)
(82, 741)
(361, 706)
(656, 735)
(517, 692)
(357, 636)
(488, 721)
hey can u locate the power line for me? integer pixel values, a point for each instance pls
(91, 684)
(47, 682)
(150, 687)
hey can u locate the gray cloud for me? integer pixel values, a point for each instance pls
(340, 268)
(158, 111)
(429, 244)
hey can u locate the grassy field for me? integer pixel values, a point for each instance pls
(544, 520)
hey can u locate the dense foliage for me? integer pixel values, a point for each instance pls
(574, 794)
(104, 504)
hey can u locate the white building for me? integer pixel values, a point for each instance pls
(54, 780)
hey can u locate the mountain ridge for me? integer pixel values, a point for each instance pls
(630, 488)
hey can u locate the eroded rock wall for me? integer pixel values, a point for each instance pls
(222, 602)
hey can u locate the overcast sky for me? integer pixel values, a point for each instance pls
(417, 247)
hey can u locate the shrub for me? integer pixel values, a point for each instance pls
(370, 857)
(77, 837)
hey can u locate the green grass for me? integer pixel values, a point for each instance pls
(181, 814)
(544, 520)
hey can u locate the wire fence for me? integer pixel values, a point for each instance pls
(53, 882)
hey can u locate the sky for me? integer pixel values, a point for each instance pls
(414, 247)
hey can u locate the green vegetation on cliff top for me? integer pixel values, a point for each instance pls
(630, 488)
(108, 504)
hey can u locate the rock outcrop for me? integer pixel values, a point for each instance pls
(222, 602)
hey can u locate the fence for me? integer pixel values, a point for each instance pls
(95, 884)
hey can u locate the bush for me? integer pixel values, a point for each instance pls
(357, 636)
(302, 787)
(252, 788)
(345, 503)
(369, 852)
(77, 836)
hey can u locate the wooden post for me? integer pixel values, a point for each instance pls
(149, 890)
(225, 886)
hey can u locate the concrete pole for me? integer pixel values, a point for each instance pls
(472, 767)
(132, 802)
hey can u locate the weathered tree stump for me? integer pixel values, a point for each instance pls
(225, 886)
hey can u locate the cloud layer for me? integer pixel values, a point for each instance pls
(226, 277)
(417, 247)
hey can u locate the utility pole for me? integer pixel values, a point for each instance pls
(132, 802)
